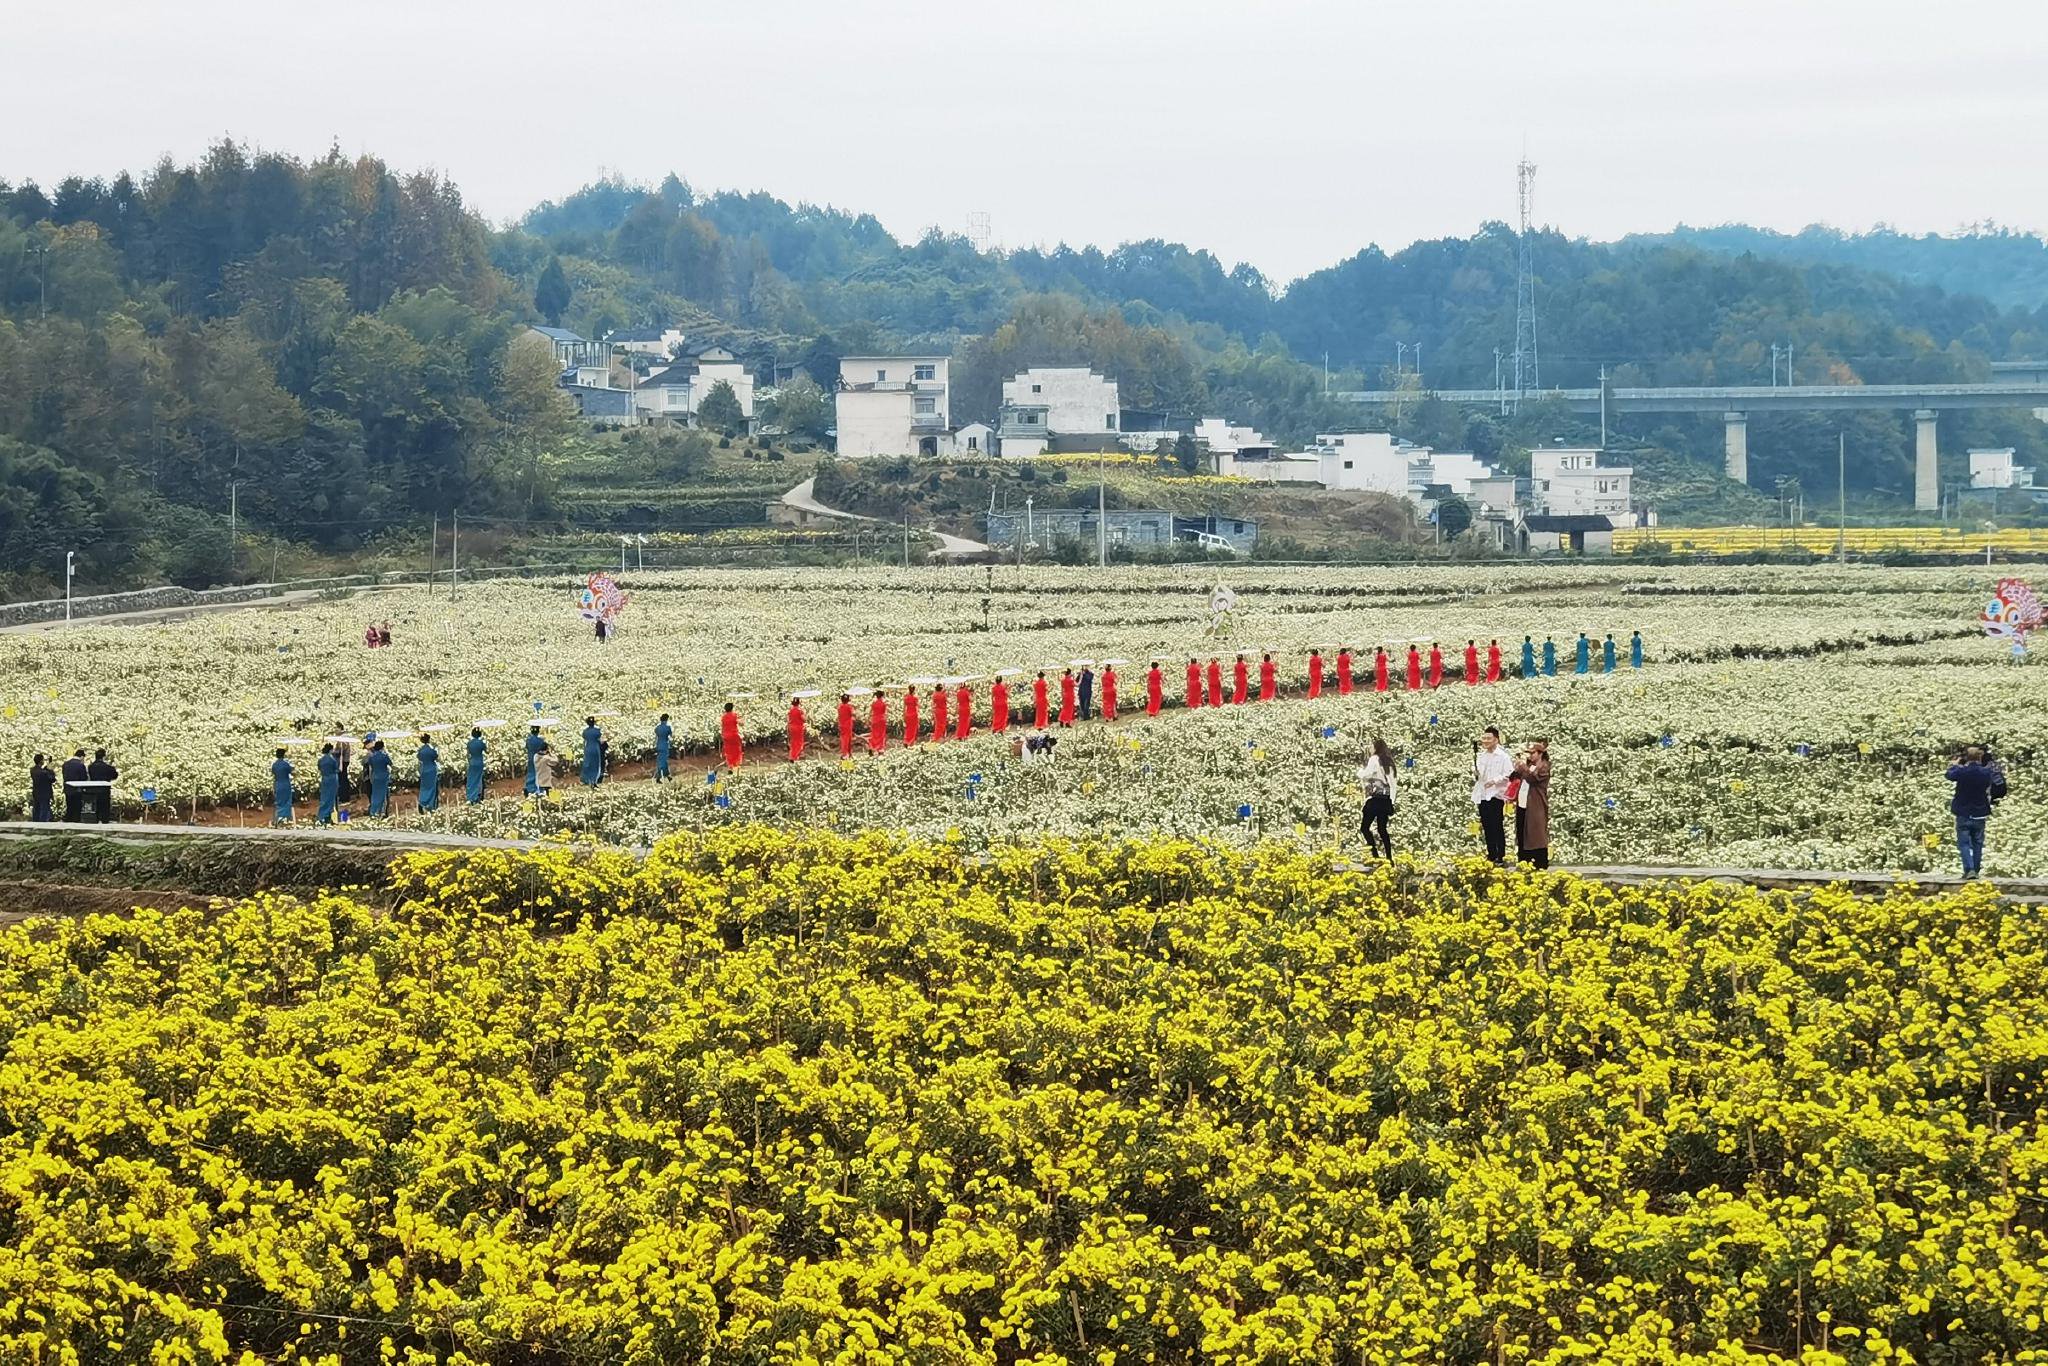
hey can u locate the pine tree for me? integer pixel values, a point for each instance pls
(552, 294)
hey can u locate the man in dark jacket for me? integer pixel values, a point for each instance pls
(74, 795)
(100, 771)
(42, 789)
(1973, 775)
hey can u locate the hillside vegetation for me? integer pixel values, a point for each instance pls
(252, 354)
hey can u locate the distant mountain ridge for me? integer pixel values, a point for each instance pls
(2007, 266)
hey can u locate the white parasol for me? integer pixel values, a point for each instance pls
(806, 692)
(489, 723)
(293, 741)
(437, 727)
(1115, 663)
(1008, 673)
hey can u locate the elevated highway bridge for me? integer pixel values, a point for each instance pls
(2020, 384)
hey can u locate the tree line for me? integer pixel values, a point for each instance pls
(335, 350)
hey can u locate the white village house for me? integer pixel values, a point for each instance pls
(1044, 404)
(893, 405)
(675, 392)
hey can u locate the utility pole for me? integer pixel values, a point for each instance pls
(70, 569)
(433, 547)
(1842, 492)
(1326, 374)
(1418, 360)
(233, 489)
(1101, 510)
(1400, 359)
(1603, 407)
(454, 555)
(1788, 365)
(1030, 530)
(1499, 397)
(906, 538)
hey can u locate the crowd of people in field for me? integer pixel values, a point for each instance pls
(942, 710)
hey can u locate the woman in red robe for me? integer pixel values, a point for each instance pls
(729, 733)
(1215, 682)
(910, 716)
(796, 729)
(1414, 669)
(1436, 666)
(1472, 662)
(846, 725)
(1067, 698)
(999, 706)
(1155, 688)
(1269, 679)
(1109, 692)
(1315, 673)
(1038, 702)
(1240, 683)
(1493, 662)
(878, 722)
(1379, 670)
(1194, 685)
(1344, 671)
(940, 730)
(963, 712)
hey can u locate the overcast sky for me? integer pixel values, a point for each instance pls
(1287, 133)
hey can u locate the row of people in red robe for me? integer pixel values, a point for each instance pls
(953, 717)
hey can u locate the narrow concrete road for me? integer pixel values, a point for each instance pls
(804, 499)
(156, 616)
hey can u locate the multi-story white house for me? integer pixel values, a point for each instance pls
(677, 391)
(1045, 403)
(894, 405)
(1570, 481)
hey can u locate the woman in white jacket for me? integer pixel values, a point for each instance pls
(1377, 780)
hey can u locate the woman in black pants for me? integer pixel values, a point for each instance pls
(1377, 779)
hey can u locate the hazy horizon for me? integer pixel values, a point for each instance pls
(1290, 137)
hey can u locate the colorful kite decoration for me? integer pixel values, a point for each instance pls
(2012, 612)
(600, 599)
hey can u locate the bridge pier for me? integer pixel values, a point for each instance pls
(1736, 465)
(1926, 461)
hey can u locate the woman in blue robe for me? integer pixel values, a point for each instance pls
(473, 791)
(1528, 657)
(664, 741)
(379, 764)
(1635, 649)
(534, 745)
(593, 752)
(1607, 654)
(330, 783)
(1584, 658)
(1549, 657)
(430, 775)
(281, 789)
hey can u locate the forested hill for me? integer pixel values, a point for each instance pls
(1657, 311)
(333, 348)
(2008, 267)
